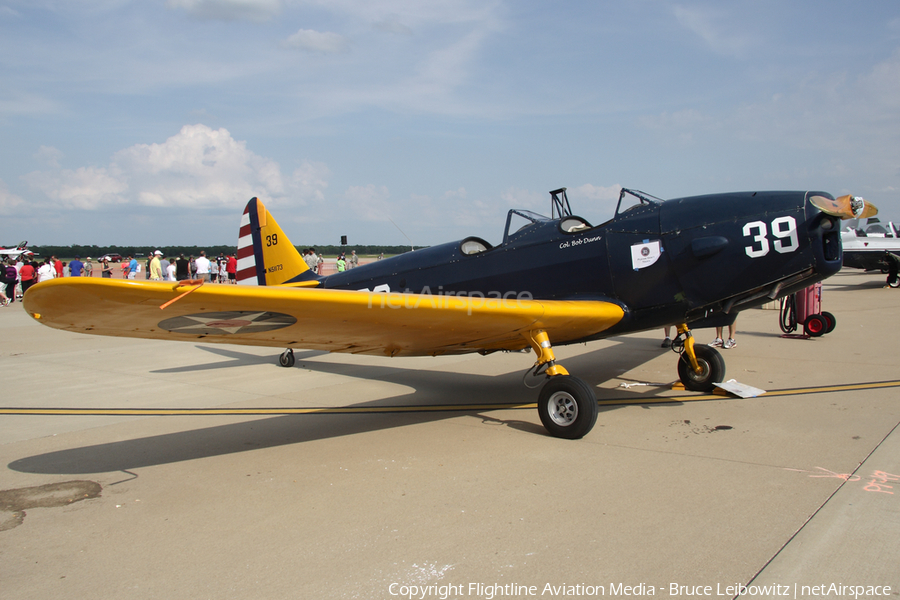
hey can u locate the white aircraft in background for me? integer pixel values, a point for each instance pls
(874, 246)
(20, 250)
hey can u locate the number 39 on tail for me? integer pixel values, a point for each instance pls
(550, 281)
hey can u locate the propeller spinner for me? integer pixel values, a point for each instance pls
(845, 207)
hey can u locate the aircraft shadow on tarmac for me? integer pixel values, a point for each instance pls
(619, 355)
(431, 387)
(873, 284)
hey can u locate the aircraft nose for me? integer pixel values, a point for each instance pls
(825, 240)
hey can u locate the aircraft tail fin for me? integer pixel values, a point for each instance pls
(265, 254)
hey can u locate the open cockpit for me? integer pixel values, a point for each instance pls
(521, 223)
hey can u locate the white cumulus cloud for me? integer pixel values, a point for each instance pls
(9, 202)
(325, 42)
(84, 188)
(369, 202)
(310, 180)
(198, 168)
(49, 155)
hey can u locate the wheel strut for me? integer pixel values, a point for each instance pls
(287, 358)
(540, 343)
(689, 351)
(566, 405)
(699, 367)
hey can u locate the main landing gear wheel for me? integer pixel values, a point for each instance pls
(287, 358)
(712, 369)
(567, 407)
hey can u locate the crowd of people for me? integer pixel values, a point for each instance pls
(17, 275)
(314, 261)
(221, 269)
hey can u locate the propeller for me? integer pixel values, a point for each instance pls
(845, 207)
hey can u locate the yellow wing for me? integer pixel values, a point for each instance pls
(320, 319)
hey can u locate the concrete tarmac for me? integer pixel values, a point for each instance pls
(795, 493)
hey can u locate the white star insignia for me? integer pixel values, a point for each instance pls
(227, 322)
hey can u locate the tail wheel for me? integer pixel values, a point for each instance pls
(287, 358)
(712, 369)
(815, 326)
(830, 321)
(567, 407)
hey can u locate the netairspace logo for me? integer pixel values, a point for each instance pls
(445, 299)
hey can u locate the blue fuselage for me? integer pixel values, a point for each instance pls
(681, 260)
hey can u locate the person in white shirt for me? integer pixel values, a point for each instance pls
(202, 266)
(45, 272)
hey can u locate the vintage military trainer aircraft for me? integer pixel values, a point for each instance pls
(551, 281)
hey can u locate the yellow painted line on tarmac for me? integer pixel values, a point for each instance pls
(822, 389)
(849, 387)
(169, 412)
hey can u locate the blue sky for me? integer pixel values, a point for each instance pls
(153, 122)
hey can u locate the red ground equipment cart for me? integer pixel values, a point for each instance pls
(805, 308)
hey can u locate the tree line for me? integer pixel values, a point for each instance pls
(99, 251)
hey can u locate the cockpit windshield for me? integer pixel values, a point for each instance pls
(631, 199)
(519, 219)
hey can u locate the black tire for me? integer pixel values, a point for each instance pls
(567, 407)
(712, 369)
(815, 326)
(893, 281)
(287, 358)
(830, 320)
